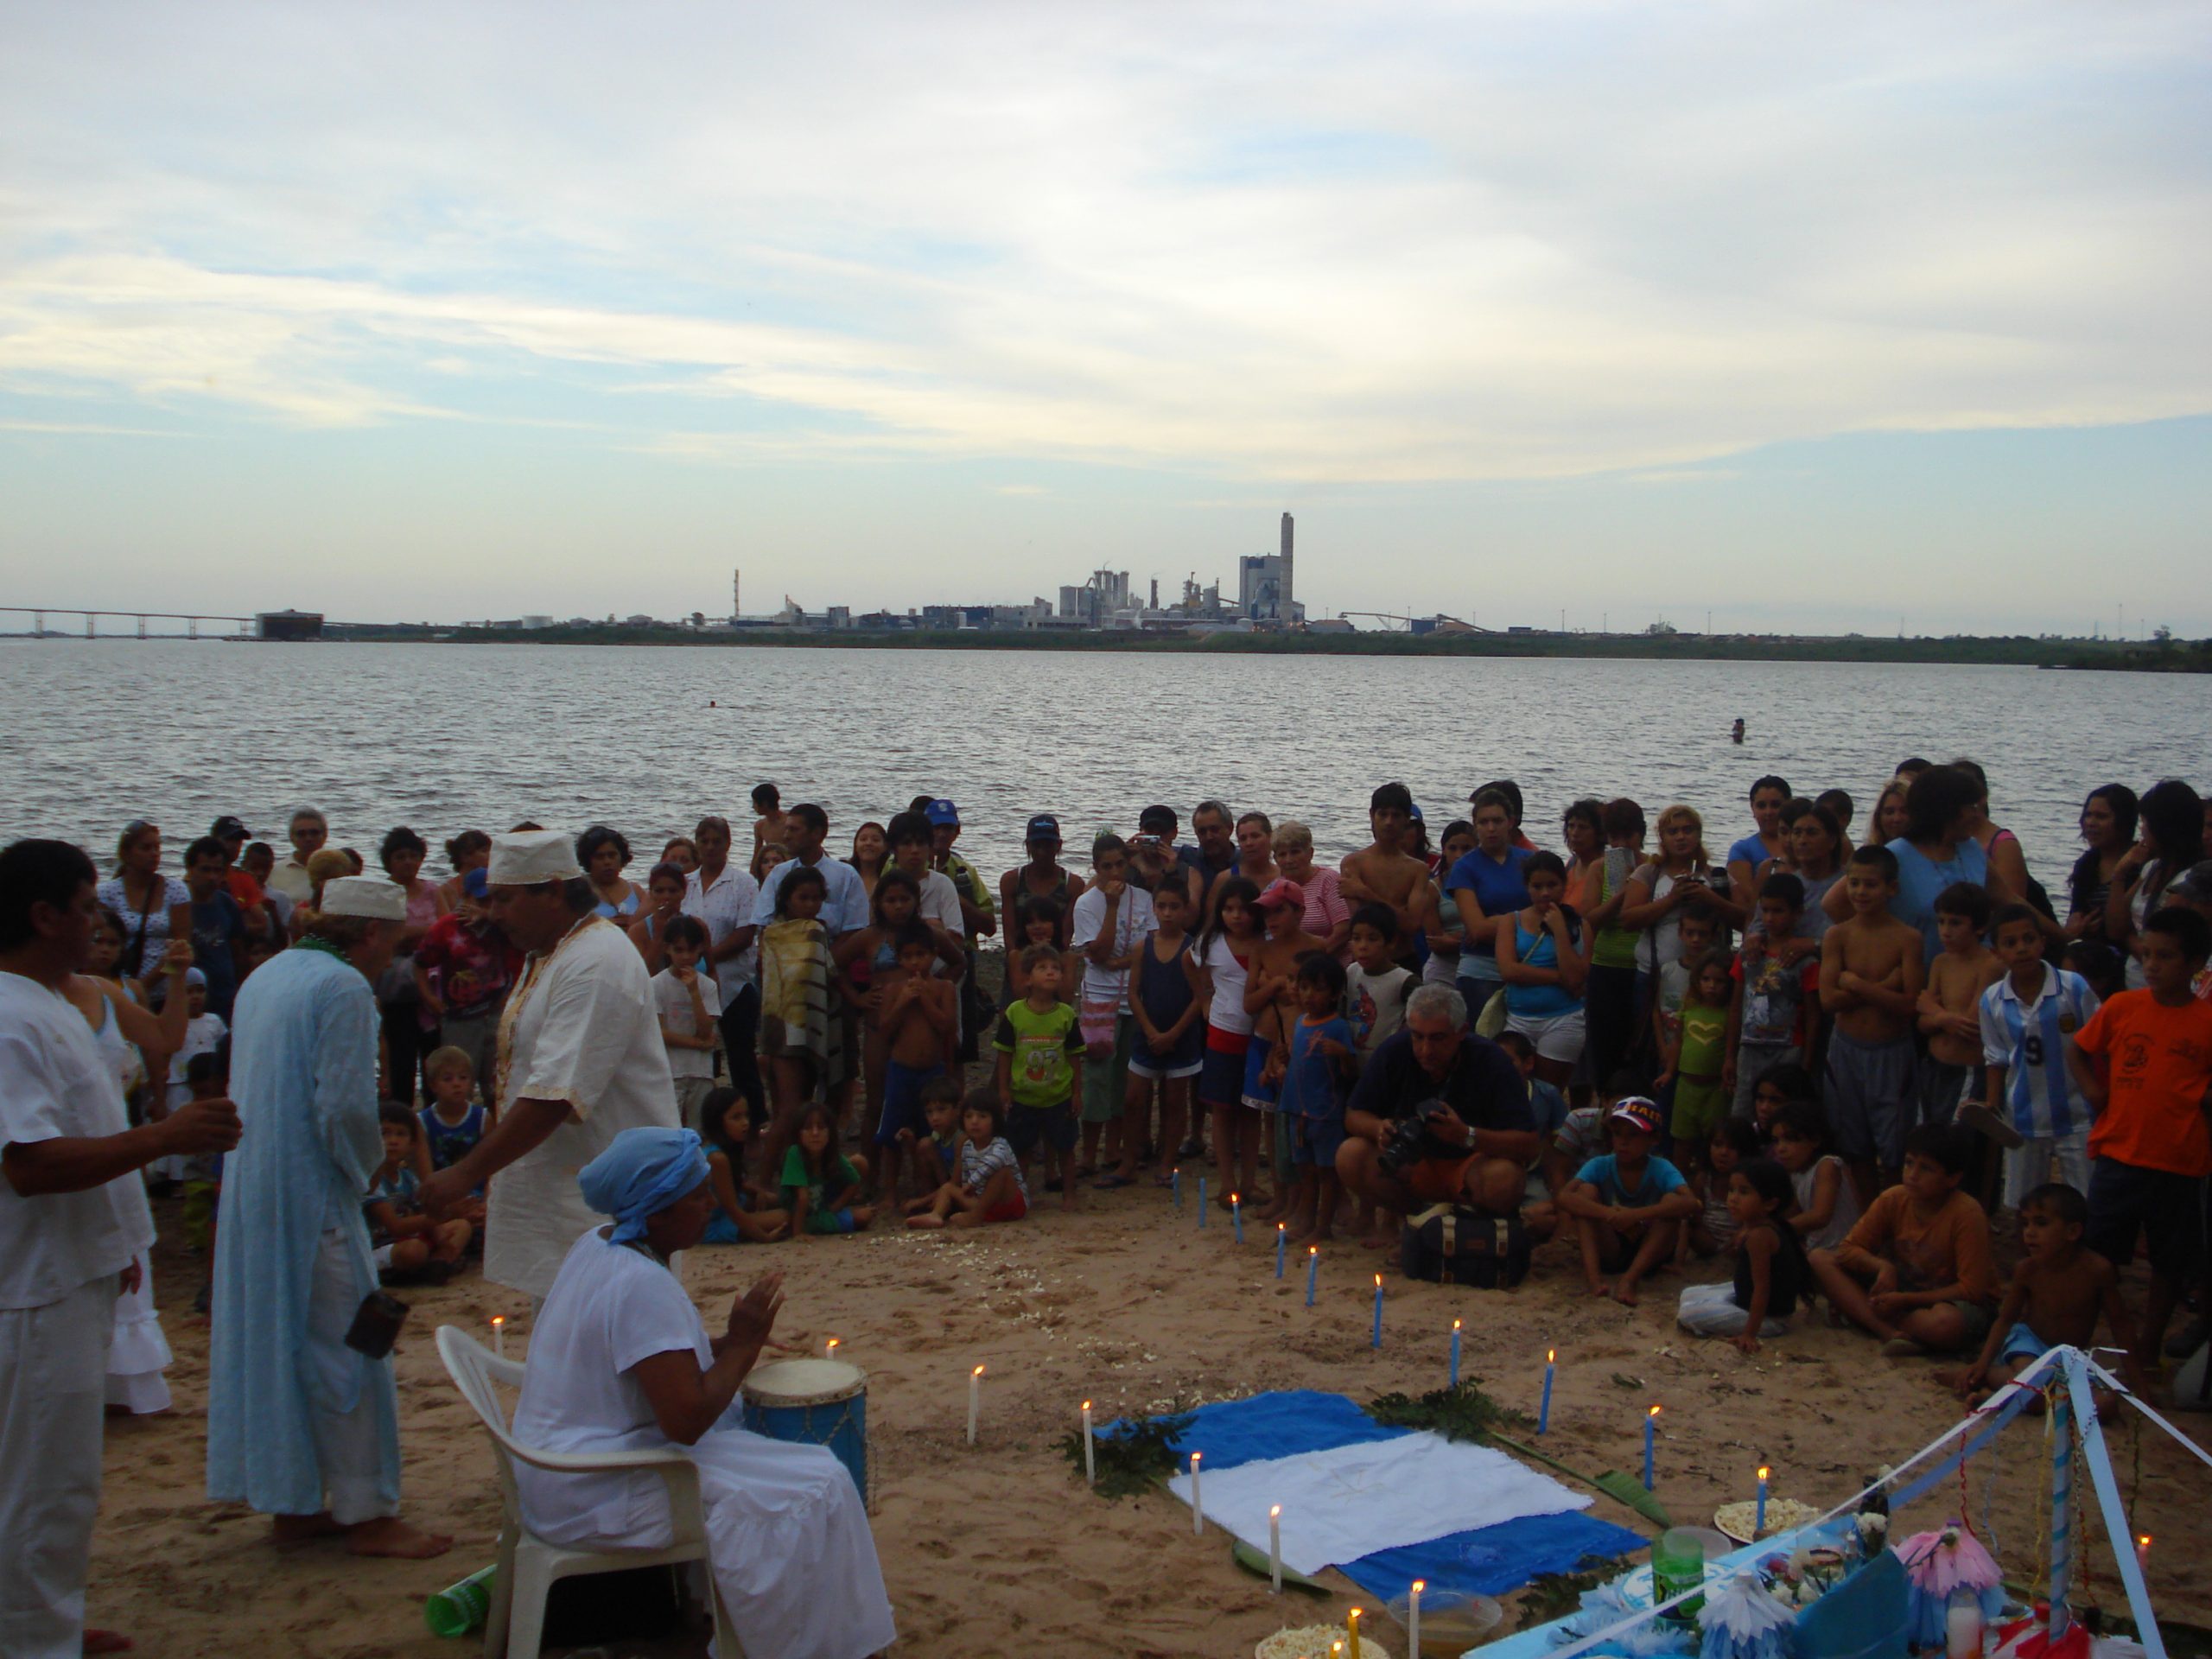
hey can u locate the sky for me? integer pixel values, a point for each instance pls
(1826, 317)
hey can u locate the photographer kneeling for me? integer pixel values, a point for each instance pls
(1440, 1116)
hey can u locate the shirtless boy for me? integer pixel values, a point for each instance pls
(1950, 1005)
(1385, 874)
(919, 1021)
(1871, 978)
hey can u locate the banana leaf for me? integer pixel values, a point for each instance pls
(1621, 1487)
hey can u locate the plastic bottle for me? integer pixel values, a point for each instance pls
(460, 1609)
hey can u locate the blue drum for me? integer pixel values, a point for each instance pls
(813, 1402)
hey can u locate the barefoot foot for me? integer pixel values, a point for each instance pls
(390, 1535)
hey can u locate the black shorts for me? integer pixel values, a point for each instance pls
(2168, 1209)
(1027, 1125)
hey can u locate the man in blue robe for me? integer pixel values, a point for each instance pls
(301, 1426)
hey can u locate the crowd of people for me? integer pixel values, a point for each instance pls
(1828, 1058)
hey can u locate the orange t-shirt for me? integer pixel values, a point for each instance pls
(2158, 1064)
(1950, 1246)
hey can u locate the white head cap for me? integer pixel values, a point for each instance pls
(529, 856)
(369, 896)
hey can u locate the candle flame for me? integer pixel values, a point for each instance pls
(1421, 1584)
(1312, 1249)
(1275, 1513)
(1764, 1471)
(978, 1371)
(1654, 1411)
(1378, 1282)
(1195, 1456)
(2143, 1540)
(499, 1318)
(1455, 1325)
(1550, 1354)
(830, 1346)
(1232, 1198)
(1086, 1405)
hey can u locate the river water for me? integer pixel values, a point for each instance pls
(448, 737)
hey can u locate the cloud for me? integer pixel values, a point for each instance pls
(1406, 243)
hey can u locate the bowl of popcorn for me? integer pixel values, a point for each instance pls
(1318, 1642)
(1783, 1515)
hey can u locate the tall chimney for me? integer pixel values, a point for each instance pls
(1286, 612)
(736, 579)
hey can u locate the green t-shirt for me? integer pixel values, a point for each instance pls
(795, 1175)
(1042, 1045)
(1705, 1040)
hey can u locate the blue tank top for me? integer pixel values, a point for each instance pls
(1166, 992)
(1538, 1002)
(450, 1142)
(1919, 878)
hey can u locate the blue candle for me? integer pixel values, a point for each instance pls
(1281, 1238)
(1758, 1523)
(1201, 1200)
(1455, 1353)
(1236, 1215)
(1179, 1187)
(1650, 1433)
(1376, 1340)
(1544, 1411)
(1313, 1270)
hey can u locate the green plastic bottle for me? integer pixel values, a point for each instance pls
(460, 1609)
(1678, 1564)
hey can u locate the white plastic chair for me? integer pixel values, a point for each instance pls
(515, 1624)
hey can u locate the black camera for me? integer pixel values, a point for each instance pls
(1408, 1141)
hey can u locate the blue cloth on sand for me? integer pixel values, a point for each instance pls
(1489, 1561)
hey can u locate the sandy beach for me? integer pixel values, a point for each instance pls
(1001, 1549)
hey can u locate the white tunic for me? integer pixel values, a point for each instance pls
(789, 1537)
(581, 1027)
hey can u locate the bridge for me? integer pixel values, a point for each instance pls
(246, 627)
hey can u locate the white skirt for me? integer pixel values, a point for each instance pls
(140, 1352)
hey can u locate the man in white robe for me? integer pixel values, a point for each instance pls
(73, 1215)
(303, 1427)
(581, 1060)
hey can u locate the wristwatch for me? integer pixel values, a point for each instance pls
(1470, 1137)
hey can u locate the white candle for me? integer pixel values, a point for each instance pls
(2143, 1553)
(1274, 1547)
(1089, 1450)
(830, 1349)
(500, 1335)
(1198, 1508)
(1962, 1630)
(1413, 1618)
(975, 1400)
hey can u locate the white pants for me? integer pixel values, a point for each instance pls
(2028, 1167)
(348, 1446)
(53, 1398)
(1711, 1311)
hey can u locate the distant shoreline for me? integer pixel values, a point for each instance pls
(2014, 651)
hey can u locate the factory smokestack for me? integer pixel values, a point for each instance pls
(1287, 612)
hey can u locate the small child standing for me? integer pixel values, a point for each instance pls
(1170, 1043)
(1376, 985)
(920, 1019)
(402, 1238)
(804, 1043)
(1827, 1207)
(1315, 1082)
(1871, 975)
(2030, 1101)
(1777, 990)
(204, 1032)
(2056, 1294)
(1734, 1143)
(1112, 917)
(1271, 998)
(1949, 1006)
(988, 1188)
(1628, 1206)
(689, 1003)
(1040, 921)
(1223, 953)
(1698, 1056)
(1770, 1270)
(2150, 1146)
(821, 1187)
(1040, 1061)
(1916, 1270)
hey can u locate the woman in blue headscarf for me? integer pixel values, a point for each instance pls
(619, 1360)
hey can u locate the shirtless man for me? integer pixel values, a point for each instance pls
(1385, 874)
(1871, 979)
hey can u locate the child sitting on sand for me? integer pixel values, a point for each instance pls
(1915, 1271)
(821, 1187)
(935, 1153)
(988, 1188)
(1828, 1205)
(1733, 1143)
(401, 1237)
(1628, 1206)
(1770, 1271)
(2056, 1294)
(742, 1211)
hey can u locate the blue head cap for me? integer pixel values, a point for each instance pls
(640, 1174)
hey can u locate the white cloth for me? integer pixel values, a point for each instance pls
(1352, 1501)
(581, 1027)
(725, 906)
(356, 1450)
(374, 897)
(789, 1537)
(1133, 920)
(1227, 1011)
(140, 1352)
(523, 858)
(672, 1002)
(51, 1363)
(56, 1082)
(1712, 1311)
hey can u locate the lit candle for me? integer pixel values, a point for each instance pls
(1758, 1521)
(1179, 1186)
(500, 1335)
(2143, 1553)
(1544, 1411)
(1455, 1353)
(1197, 1507)
(975, 1400)
(1281, 1238)
(1376, 1341)
(1274, 1547)
(1412, 1617)
(1650, 1433)
(1201, 1200)
(1313, 1270)
(1089, 1449)
(830, 1349)
(1351, 1634)
(1236, 1215)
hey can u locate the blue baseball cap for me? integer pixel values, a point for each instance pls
(1414, 814)
(941, 812)
(1043, 827)
(477, 882)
